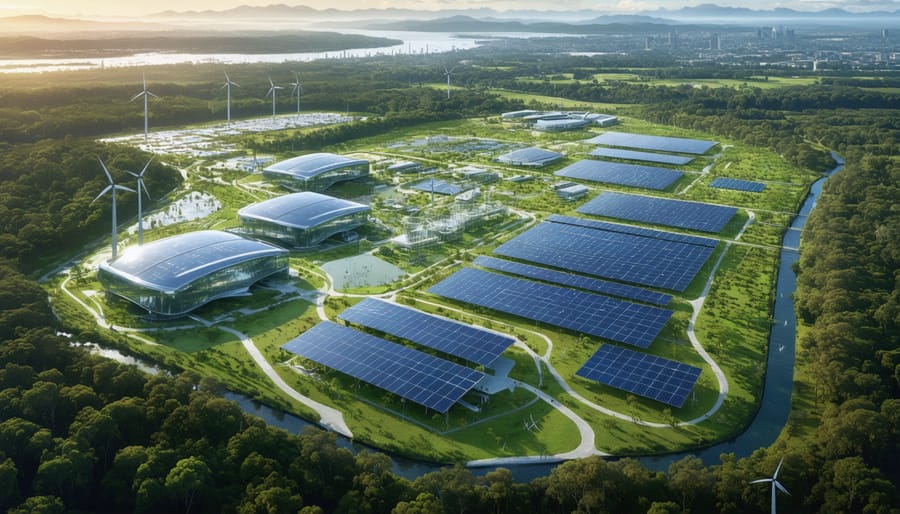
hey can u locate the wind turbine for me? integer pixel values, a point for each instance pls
(111, 187)
(298, 88)
(272, 91)
(448, 73)
(146, 94)
(227, 86)
(141, 186)
(775, 483)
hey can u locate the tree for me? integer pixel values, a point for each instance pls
(689, 478)
(188, 481)
(39, 505)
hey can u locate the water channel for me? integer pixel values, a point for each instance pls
(762, 432)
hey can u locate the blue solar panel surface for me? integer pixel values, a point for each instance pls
(632, 175)
(620, 256)
(535, 156)
(453, 338)
(631, 155)
(424, 379)
(438, 186)
(738, 184)
(638, 231)
(587, 313)
(645, 375)
(569, 279)
(660, 211)
(660, 143)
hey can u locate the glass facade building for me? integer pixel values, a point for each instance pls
(302, 220)
(175, 275)
(316, 172)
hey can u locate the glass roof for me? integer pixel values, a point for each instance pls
(532, 155)
(301, 210)
(311, 165)
(171, 263)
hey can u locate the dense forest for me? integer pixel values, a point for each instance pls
(83, 434)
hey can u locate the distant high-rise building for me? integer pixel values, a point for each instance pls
(647, 43)
(884, 33)
(673, 39)
(714, 43)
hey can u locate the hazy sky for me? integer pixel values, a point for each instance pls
(132, 8)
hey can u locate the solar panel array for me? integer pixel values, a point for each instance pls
(629, 229)
(569, 279)
(660, 143)
(424, 379)
(622, 174)
(633, 258)
(738, 184)
(438, 186)
(660, 211)
(645, 375)
(631, 155)
(453, 338)
(530, 156)
(587, 313)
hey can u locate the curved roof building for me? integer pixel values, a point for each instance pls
(175, 275)
(302, 219)
(316, 171)
(536, 157)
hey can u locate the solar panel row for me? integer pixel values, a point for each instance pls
(632, 175)
(603, 253)
(416, 376)
(569, 279)
(738, 184)
(649, 376)
(631, 155)
(660, 211)
(660, 143)
(438, 186)
(638, 231)
(587, 313)
(448, 336)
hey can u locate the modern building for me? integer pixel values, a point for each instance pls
(172, 276)
(316, 171)
(302, 220)
(535, 157)
(571, 193)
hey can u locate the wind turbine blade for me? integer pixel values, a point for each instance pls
(108, 176)
(270, 81)
(141, 174)
(105, 189)
(135, 97)
(144, 187)
(781, 487)
(151, 94)
(123, 188)
(226, 76)
(778, 468)
(761, 481)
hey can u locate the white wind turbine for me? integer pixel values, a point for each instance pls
(141, 186)
(298, 88)
(448, 73)
(272, 91)
(775, 483)
(227, 86)
(112, 187)
(146, 94)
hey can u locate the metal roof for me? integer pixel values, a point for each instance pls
(534, 156)
(173, 262)
(311, 165)
(301, 210)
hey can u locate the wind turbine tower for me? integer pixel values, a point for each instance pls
(111, 187)
(272, 89)
(141, 186)
(146, 94)
(298, 88)
(775, 484)
(448, 73)
(227, 86)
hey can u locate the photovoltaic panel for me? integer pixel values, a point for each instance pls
(629, 229)
(633, 258)
(448, 336)
(438, 186)
(660, 211)
(568, 279)
(659, 143)
(587, 313)
(645, 375)
(632, 175)
(631, 155)
(421, 378)
(738, 184)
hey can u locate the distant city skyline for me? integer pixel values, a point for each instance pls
(93, 8)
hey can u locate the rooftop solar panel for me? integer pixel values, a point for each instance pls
(438, 186)
(569, 279)
(632, 175)
(530, 157)
(587, 313)
(631, 155)
(660, 143)
(645, 375)
(637, 259)
(448, 336)
(424, 379)
(738, 184)
(660, 211)
(629, 229)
